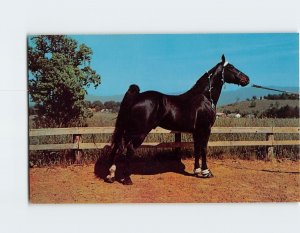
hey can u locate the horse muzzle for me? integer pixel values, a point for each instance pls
(244, 81)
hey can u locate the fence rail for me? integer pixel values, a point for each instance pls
(110, 130)
(79, 145)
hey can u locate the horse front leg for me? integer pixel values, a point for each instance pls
(200, 150)
(197, 169)
(205, 172)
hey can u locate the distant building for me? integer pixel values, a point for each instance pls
(250, 116)
(93, 109)
(220, 114)
(106, 110)
(234, 115)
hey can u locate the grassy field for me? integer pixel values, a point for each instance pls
(108, 119)
(100, 119)
(40, 158)
(244, 107)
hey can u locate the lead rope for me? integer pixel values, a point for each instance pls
(272, 89)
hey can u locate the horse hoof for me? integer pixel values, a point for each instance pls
(109, 179)
(207, 174)
(127, 181)
(197, 172)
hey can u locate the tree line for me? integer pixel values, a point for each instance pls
(283, 112)
(114, 106)
(273, 112)
(97, 106)
(283, 96)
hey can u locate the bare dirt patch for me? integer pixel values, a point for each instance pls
(234, 181)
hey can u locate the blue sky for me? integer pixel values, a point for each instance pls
(172, 63)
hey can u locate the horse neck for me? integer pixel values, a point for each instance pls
(199, 88)
(202, 87)
(216, 88)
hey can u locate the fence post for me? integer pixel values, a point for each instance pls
(77, 152)
(177, 139)
(270, 149)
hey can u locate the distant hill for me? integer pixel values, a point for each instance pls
(92, 98)
(247, 107)
(244, 93)
(226, 97)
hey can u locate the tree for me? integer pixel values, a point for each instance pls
(113, 105)
(88, 104)
(283, 96)
(283, 112)
(252, 104)
(227, 111)
(59, 73)
(98, 105)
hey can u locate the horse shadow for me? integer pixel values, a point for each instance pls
(161, 162)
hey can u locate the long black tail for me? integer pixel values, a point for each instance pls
(122, 119)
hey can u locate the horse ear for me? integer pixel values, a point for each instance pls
(223, 59)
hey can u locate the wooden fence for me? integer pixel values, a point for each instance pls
(78, 145)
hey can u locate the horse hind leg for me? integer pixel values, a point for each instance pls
(127, 169)
(110, 178)
(133, 144)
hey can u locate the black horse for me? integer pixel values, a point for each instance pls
(193, 111)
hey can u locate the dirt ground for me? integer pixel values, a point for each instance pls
(233, 181)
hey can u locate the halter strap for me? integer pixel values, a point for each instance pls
(223, 78)
(224, 65)
(210, 88)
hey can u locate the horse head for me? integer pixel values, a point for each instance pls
(230, 74)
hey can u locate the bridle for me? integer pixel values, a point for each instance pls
(209, 90)
(210, 87)
(223, 78)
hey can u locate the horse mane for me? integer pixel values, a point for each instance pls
(202, 83)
